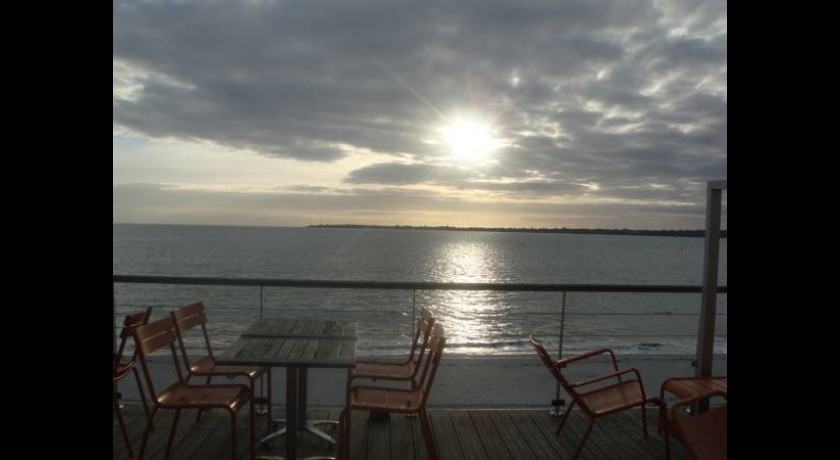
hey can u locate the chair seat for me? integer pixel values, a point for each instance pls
(182, 395)
(614, 398)
(685, 387)
(383, 370)
(206, 366)
(386, 399)
(398, 400)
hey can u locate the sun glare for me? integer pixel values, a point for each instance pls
(469, 140)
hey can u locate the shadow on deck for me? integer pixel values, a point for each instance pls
(460, 434)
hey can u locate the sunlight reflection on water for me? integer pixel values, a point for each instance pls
(477, 322)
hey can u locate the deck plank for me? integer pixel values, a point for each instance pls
(448, 444)
(510, 436)
(489, 435)
(379, 436)
(541, 443)
(459, 434)
(359, 435)
(403, 437)
(471, 445)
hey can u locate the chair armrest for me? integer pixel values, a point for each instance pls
(615, 374)
(561, 363)
(691, 400)
(675, 385)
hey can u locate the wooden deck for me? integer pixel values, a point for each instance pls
(460, 434)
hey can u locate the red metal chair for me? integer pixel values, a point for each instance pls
(703, 434)
(597, 396)
(123, 368)
(181, 395)
(397, 400)
(192, 316)
(405, 370)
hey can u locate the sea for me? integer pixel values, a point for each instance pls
(478, 323)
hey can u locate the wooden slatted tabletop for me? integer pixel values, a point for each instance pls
(294, 342)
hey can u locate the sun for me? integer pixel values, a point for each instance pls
(469, 139)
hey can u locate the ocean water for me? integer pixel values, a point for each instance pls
(478, 323)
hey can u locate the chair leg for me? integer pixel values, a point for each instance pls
(585, 437)
(146, 433)
(563, 419)
(142, 392)
(233, 432)
(644, 422)
(198, 416)
(172, 433)
(252, 436)
(253, 387)
(123, 427)
(268, 396)
(663, 428)
(344, 434)
(428, 436)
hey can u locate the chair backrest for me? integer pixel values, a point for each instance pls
(555, 370)
(704, 435)
(547, 360)
(422, 332)
(132, 320)
(436, 344)
(189, 317)
(152, 337)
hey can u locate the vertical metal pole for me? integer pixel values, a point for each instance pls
(413, 312)
(262, 385)
(556, 403)
(562, 326)
(706, 330)
(114, 328)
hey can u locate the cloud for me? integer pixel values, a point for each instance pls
(404, 174)
(618, 93)
(151, 203)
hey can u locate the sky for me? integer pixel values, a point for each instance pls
(534, 114)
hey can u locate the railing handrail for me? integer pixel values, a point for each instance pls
(409, 285)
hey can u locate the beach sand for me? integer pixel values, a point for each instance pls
(466, 381)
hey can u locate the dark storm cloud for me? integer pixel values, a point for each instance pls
(404, 174)
(617, 93)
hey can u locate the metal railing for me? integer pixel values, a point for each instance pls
(415, 286)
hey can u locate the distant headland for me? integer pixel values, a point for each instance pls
(585, 231)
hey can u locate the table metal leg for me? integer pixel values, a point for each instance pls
(296, 408)
(292, 395)
(306, 424)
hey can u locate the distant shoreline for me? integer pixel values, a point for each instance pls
(583, 231)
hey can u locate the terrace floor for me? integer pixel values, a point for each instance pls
(459, 433)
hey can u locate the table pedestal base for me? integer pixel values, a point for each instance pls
(308, 426)
(296, 421)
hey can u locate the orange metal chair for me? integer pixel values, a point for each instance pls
(181, 395)
(122, 368)
(609, 393)
(397, 400)
(192, 316)
(703, 434)
(406, 370)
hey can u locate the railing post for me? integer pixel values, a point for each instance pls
(557, 401)
(708, 303)
(413, 312)
(114, 328)
(261, 301)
